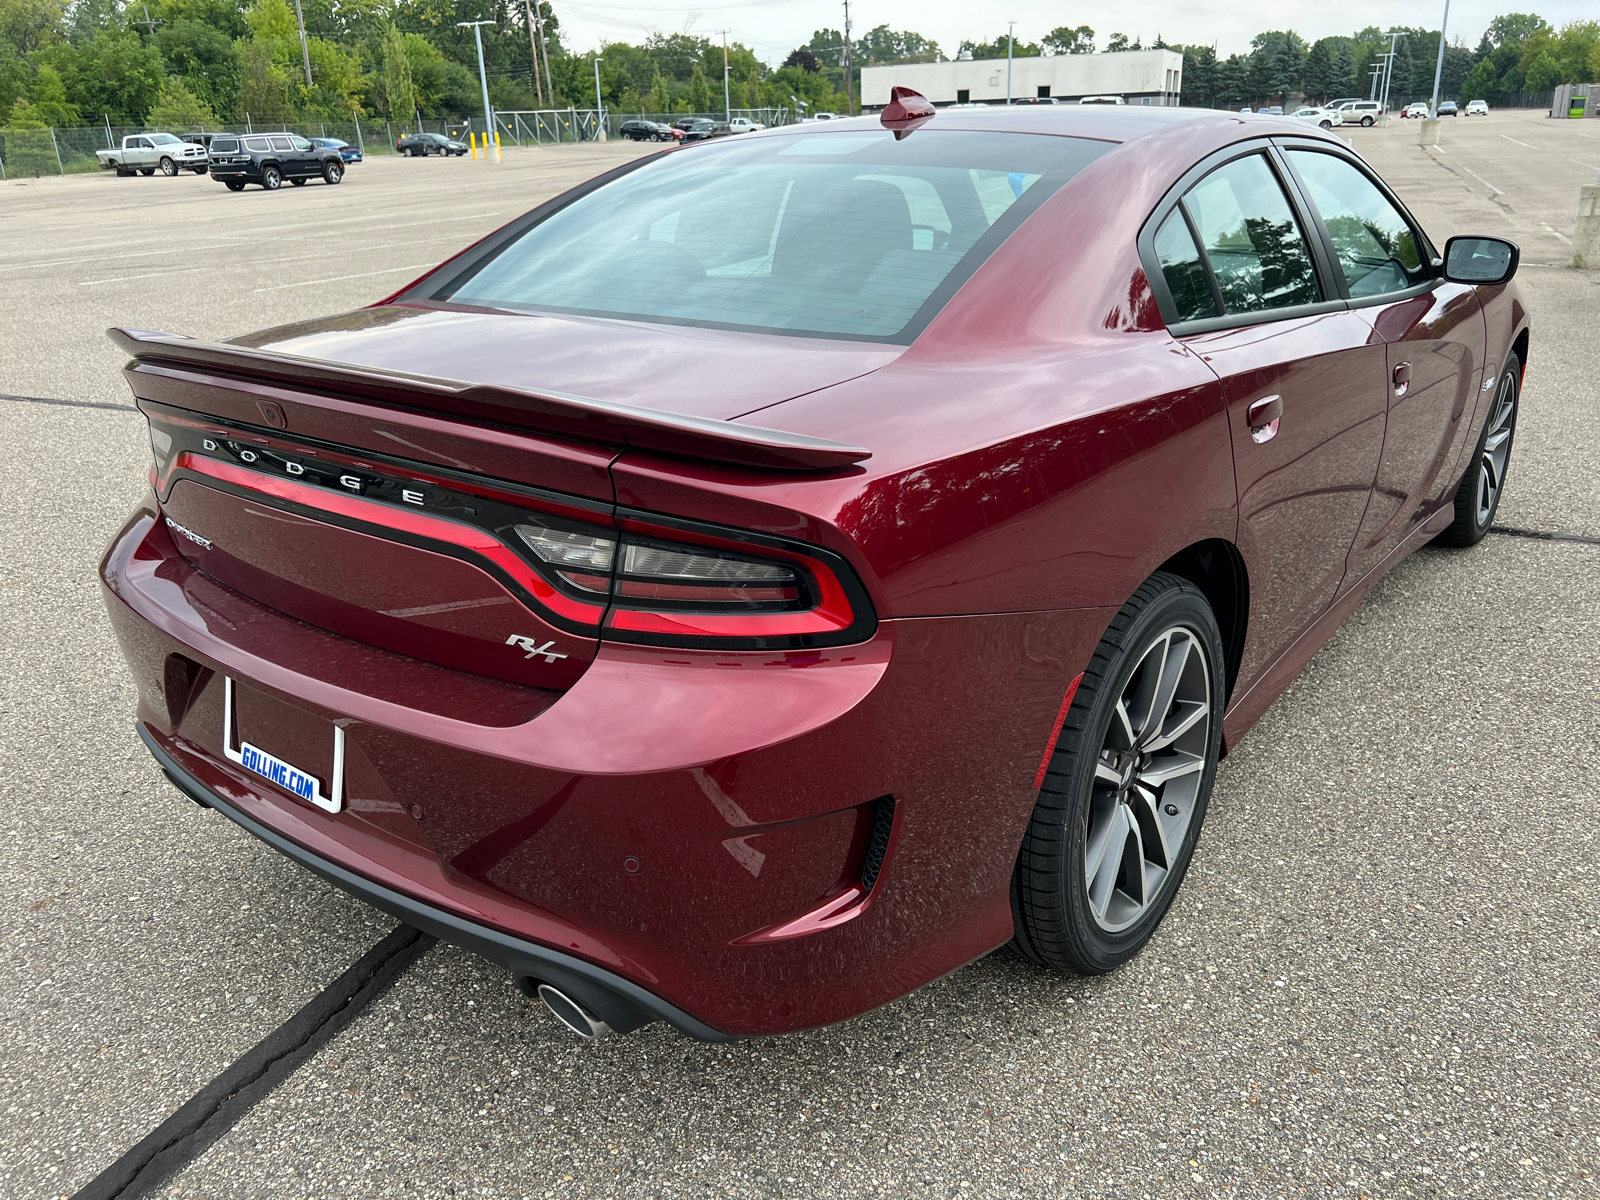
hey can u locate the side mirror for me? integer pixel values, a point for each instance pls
(1481, 260)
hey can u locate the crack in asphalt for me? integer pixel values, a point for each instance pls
(256, 1074)
(1541, 535)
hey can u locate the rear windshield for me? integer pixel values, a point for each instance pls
(841, 234)
(225, 145)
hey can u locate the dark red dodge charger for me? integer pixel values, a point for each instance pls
(782, 570)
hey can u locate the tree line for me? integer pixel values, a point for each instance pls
(192, 62)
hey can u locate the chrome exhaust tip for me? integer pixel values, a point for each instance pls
(572, 1014)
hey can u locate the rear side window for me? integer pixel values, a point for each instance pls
(843, 234)
(1377, 250)
(1251, 238)
(282, 143)
(1183, 270)
(258, 144)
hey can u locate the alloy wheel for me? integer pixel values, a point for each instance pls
(1496, 448)
(1147, 779)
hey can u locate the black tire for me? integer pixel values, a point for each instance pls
(1324, 124)
(271, 178)
(167, 167)
(1484, 481)
(147, 171)
(1056, 923)
(1366, 122)
(298, 181)
(124, 173)
(332, 173)
(200, 170)
(234, 185)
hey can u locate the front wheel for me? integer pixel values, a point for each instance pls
(1478, 497)
(271, 178)
(1120, 810)
(1324, 124)
(168, 168)
(332, 173)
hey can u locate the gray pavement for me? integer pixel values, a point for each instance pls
(1379, 979)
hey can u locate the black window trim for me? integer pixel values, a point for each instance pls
(1329, 278)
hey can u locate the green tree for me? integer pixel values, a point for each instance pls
(828, 47)
(1233, 82)
(1199, 77)
(263, 85)
(114, 73)
(178, 107)
(1069, 39)
(752, 89)
(1317, 70)
(1576, 46)
(1342, 71)
(25, 25)
(48, 102)
(1544, 74)
(698, 93)
(999, 47)
(205, 59)
(1482, 84)
(660, 99)
(1117, 43)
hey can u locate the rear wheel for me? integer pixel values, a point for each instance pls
(1116, 821)
(1478, 497)
(124, 173)
(271, 178)
(332, 173)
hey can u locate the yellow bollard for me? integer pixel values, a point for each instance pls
(497, 143)
(473, 139)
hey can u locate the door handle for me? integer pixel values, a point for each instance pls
(1402, 379)
(1263, 416)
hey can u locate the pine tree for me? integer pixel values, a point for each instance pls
(1342, 72)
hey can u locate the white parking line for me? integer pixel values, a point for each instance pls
(1509, 138)
(338, 278)
(1553, 233)
(1483, 181)
(66, 262)
(1581, 163)
(148, 275)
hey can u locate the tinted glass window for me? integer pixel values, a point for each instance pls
(1183, 270)
(224, 145)
(282, 143)
(1377, 251)
(834, 233)
(1251, 238)
(300, 143)
(257, 144)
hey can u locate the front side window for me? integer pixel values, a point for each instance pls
(825, 233)
(1251, 238)
(300, 143)
(1377, 250)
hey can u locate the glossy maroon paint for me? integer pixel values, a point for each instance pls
(1036, 453)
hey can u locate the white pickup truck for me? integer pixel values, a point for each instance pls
(148, 153)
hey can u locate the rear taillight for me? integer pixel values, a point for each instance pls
(688, 585)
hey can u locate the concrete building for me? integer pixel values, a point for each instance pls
(1139, 76)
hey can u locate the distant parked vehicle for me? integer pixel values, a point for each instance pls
(1102, 100)
(1322, 118)
(1447, 108)
(704, 129)
(1339, 104)
(1360, 112)
(744, 125)
(147, 153)
(1417, 108)
(1271, 110)
(420, 145)
(1036, 100)
(347, 152)
(648, 131)
(269, 159)
(1477, 108)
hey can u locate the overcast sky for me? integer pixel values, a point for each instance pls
(774, 27)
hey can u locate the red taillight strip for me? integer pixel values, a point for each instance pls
(424, 525)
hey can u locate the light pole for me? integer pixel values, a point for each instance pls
(483, 79)
(1011, 42)
(599, 107)
(727, 110)
(1438, 66)
(1388, 72)
(305, 51)
(849, 95)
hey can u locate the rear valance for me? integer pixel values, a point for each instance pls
(617, 425)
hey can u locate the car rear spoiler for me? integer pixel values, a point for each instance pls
(620, 425)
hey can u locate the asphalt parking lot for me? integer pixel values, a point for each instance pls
(1379, 980)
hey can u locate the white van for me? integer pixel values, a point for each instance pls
(1102, 100)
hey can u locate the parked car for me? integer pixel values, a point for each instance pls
(1112, 100)
(1035, 100)
(750, 688)
(1417, 108)
(1360, 112)
(270, 159)
(420, 145)
(1322, 118)
(703, 129)
(147, 153)
(347, 152)
(1447, 108)
(1477, 108)
(1271, 110)
(649, 131)
(744, 125)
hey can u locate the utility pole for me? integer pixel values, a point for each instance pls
(147, 22)
(599, 106)
(533, 47)
(727, 109)
(1438, 66)
(544, 48)
(483, 80)
(1011, 44)
(1388, 73)
(849, 94)
(1375, 71)
(305, 51)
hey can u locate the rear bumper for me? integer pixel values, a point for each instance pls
(677, 835)
(623, 1004)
